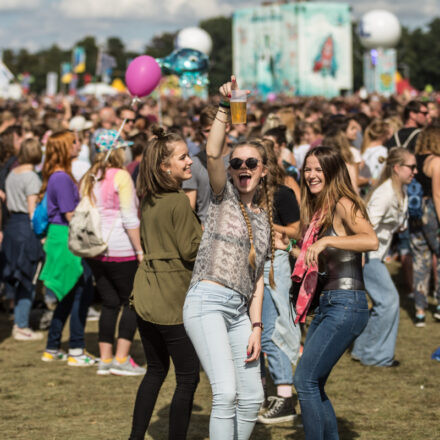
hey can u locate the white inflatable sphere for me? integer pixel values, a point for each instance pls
(379, 28)
(194, 38)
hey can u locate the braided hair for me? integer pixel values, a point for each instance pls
(266, 204)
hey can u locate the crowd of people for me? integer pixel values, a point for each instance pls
(217, 241)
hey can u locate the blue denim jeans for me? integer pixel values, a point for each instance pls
(280, 339)
(218, 325)
(376, 344)
(341, 317)
(23, 303)
(76, 304)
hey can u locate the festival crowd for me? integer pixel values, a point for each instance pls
(217, 240)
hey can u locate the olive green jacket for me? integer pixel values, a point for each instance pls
(170, 235)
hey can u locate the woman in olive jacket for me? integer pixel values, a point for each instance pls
(170, 235)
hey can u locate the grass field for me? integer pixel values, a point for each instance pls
(54, 401)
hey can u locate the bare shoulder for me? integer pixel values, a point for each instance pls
(344, 206)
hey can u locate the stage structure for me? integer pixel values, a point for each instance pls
(294, 49)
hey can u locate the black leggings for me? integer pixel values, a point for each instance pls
(114, 282)
(160, 343)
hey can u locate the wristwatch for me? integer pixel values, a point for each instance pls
(258, 324)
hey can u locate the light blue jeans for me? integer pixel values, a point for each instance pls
(376, 344)
(281, 338)
(218, 325)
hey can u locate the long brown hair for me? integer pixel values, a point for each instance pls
(58, 156)
(337, 185)
(99, 168)
(152, 179)
(266, 202)
(428, 140)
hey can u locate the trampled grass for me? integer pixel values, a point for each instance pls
(40, 401)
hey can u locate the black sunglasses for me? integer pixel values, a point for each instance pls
(423, 113)
(411, 167)
(251, 163)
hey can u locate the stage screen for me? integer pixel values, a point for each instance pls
(294, 49)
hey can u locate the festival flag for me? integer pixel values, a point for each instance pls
(25, 81)
(66, 73)
(79, 60)
(105, 65)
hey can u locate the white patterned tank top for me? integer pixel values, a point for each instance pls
(223, 252)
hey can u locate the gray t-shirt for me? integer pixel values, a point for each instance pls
(18, 187)
(224, 250)
(200, 182)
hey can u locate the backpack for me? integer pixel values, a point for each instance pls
(415, 200)
(85, 236)
(410, 138)
(40, 219)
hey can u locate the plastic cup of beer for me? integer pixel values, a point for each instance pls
(238, 106)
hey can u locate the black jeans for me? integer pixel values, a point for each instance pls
(160, 343)
(114, 282)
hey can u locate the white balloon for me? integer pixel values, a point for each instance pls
(379, 28)
(194, 38)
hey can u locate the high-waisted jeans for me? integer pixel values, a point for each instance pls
(376, 344)
(218, 325)
(341, 317)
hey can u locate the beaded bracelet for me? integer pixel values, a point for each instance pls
(292, 242)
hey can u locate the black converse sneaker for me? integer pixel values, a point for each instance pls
(281, 410)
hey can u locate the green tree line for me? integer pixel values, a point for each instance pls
(418, 55)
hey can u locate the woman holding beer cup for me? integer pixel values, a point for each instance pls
(227, 280)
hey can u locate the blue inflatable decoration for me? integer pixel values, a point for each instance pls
(190, 65)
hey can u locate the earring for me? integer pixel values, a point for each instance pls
(168, 172)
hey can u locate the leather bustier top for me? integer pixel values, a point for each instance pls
(339, 269)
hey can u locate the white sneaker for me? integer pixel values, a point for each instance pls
(93, 314)
(83, 360)
(26, 334)
(127, 368)
(104, 368)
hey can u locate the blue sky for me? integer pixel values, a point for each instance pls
(35, 24)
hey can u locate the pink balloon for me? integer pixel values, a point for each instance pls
(142, 76)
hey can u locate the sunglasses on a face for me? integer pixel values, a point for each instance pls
(251, 163)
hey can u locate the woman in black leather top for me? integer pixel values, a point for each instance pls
(345, 232)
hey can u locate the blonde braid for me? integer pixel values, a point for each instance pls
(252, 254)
(269, 211)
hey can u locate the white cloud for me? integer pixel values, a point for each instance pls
(165, 11)
(18, 4)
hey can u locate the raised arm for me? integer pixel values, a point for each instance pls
(216, 140)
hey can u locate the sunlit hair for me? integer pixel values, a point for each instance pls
(428, 140)
(30, 152)
(376, 130)
(275, 174)
(264, 197)
(339, 142)
(97, 171)
(271, 121)
(396, 156)
(152, 179)
(337, 185)
(58, 156)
